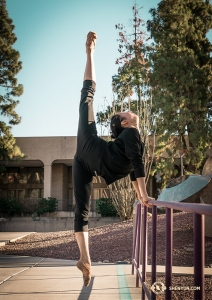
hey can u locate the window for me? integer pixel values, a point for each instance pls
(35, 193)
(3, 193)
(69, 174)
(11, 178)
(71, 201)
(22, 176)
(21, 194)
(11, 193)
(4, 178)
(34, 175)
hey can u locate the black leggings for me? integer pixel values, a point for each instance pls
(87, 158)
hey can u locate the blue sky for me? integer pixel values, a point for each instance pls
(51, 37)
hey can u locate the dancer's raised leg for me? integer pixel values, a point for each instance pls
(90, 73)
(84, 263)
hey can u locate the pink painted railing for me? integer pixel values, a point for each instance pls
(140, 240)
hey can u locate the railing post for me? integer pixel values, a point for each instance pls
(144, 248)
(199, 256)
(169, 248)
(135, 232)
(154, 247)
(138, 244)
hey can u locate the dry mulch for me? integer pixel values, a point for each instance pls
(114, 243)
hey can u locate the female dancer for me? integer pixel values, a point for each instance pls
(94, 156)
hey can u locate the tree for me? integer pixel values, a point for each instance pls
(10, 65)
(181, 81)
(132, 80)
(123, 196)
(131, 91)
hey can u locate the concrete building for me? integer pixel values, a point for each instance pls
(46, 171)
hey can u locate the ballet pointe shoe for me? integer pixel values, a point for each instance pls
(91, 40)
(86, 271)
(91, 36)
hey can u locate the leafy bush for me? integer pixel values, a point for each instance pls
(46, 205)
(11, 206)
(105, 207)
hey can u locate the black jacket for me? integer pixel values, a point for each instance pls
(113, 160)
(123, 156)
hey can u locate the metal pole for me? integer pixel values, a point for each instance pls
(144, 245)
(154, 246)
(135, 232)
(199, 256)
(181, 163)
(138, 243)
(169, 248)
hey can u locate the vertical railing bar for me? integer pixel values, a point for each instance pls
(154, 246)
(135, 239)
(144, 244)
(169, 247)
(138, 246)
(199, 251)
(199, 256)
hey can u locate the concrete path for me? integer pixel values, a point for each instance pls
(24, 278)
(7, 237)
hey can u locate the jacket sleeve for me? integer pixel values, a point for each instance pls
(134, 152)
(132, 176)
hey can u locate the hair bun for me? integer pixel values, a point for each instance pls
(115, 126)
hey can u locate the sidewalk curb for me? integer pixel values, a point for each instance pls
(5, 242)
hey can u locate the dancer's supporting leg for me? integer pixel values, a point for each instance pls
(84, 263)
(82, 189)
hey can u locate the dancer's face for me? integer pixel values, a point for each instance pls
(130, 119)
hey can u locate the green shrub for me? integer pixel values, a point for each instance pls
(105, 207)
(11, 206)
(46, 205)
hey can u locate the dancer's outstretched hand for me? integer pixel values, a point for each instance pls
(144, 201)
(91, 42)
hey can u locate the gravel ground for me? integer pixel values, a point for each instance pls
(114, 243)
(179, 282)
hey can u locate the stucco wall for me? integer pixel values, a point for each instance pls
(60, 181)
(47, 149)
(50, 224)
(50, 151)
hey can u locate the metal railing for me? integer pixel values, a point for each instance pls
(140, 234)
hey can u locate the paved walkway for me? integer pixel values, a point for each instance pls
(6, 237)
(24, 278)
